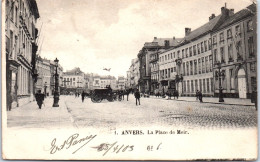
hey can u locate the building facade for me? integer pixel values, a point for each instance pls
(21, 47)
(187, 67)
(235, 54)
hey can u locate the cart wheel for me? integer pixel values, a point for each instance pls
(98, 99)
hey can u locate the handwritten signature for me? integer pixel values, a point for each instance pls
(114, 147)
(72, 140)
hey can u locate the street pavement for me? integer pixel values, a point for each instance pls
(119, 114)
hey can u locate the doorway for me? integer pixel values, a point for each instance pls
(241, 83)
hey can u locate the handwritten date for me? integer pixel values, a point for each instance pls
(114, 147)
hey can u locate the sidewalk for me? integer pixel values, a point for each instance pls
(30, 116)
(214, 100)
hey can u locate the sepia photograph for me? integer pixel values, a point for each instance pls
(129, 80)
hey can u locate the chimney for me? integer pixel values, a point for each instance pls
(212, 17)
(187, 31)
(155, 38)
(173, 38)
(224, 11)
(231, 12)
(166, 43)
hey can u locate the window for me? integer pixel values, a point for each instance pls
(206, 62)
(174, 69)
(199, 66)
(178, 54)
(194, 50)
(251, 46)
(171, 55)
(165, 57)
(192, 86)
(208, 85)
(210, 63)
(203, 65)
(214, 40)
(222, 54)
(188, 86)
(232, 86)
(195, 67)
(229, 34)
(205, 46)
(202, 48)
(174, 54)
(182, 53)
(250, 25)
(200, 88)
(73, 79)
(11, 44)
(183, 68)
(190, 51)
(12, 12)
(238, 48)
(168, 56)
(204, 86)
(252, 66)
(209, 43)
(198, 46)
(238, 30)
(187, 66)
(160, 60)
(191, 68)
(215, 55)
(184, 86)
(196, 85)
(186, 52)
(221, 37)
(230, 52)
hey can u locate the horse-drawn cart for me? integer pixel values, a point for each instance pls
(100, 94)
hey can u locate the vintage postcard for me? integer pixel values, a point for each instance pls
(129, 80)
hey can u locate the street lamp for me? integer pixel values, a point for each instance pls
(218, 75)
(56, 91)
(45, 87)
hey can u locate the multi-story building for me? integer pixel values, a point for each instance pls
(121, 82)
(188, 66)
(136, 73)
(20, 45)
(74, 80)
(128, 78)
(144, 57)
(235, 54)
(43, 83)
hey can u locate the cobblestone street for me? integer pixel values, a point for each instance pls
(152, 112)
(161, 112)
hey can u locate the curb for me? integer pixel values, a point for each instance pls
(223, 103)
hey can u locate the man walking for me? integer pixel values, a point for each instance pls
(137, 96)
(83, 96)
(39, 98)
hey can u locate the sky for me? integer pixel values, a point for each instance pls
(97, 34)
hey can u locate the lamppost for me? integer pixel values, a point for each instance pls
(56, 90)
(45, 87)
(219, 75)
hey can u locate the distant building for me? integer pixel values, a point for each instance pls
(74, 80)
(121, 82)
(144, 57)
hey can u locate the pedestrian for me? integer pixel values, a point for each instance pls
(83, 96)
(254, 98)
(122, 94)
(200, 96)
(197, 95)
(127, 94)
(137, 96)
(39, 98)
(168, 93)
